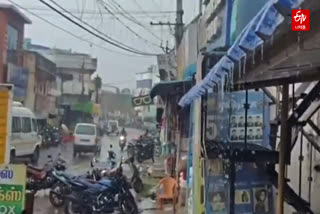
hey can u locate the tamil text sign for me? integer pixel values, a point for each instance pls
(12, 188)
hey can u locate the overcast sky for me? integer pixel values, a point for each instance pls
(118, 69)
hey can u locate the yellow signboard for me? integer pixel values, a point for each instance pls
(5, 103)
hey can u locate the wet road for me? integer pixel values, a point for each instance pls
(81, 164)
(78, 165)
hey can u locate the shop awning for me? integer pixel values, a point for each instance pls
(252, 39)
(164, 88)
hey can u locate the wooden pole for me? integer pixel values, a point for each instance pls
(283, 147)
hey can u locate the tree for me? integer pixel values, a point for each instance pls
(98, 85)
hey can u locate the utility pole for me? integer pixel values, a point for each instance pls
(82, 78)
(178, 25)
(285, 139)
(179, 22)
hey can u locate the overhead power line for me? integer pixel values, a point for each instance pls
(141, 9)
(129, 17)
(70, 33)
(129, 29)
(97, 35)
(131, 12)
(97, 30)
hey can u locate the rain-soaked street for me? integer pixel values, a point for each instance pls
(81, 164)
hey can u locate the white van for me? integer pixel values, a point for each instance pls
(24, 139)
(86, 139)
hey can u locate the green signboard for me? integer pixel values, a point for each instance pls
(12, 188)
(86, 107)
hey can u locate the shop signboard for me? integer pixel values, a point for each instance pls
(5, 122)
(143, 100)
(12, 188)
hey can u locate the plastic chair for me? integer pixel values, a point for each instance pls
(166, 191)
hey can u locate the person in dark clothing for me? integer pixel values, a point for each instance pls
(123, 132)
(261, 197)
(112, 157)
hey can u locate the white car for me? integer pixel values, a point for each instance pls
(24, 139)
(86, 139)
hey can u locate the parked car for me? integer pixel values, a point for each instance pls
(24, 140)
(86, 139)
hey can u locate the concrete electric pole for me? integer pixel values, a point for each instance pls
(178, 25)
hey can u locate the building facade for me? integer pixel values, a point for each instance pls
(42, 90)
(12, 23)
(73, 72)
(144, 82)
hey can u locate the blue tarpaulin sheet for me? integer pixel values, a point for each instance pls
(265, 24)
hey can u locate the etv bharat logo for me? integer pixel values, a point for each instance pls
(300, 20)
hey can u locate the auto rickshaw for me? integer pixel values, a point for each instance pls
(113, 127)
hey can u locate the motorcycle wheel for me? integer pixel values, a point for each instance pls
(157, 151)
(139, 159)
(55, 196)
(130, 152)
(137, 185)
(72, 208)
(128, 206)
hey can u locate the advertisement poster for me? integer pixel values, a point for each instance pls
(18, 76)
(253, 190)
(226, 118)
(12, 188)
(257, 126)
(217, 198)
(226, 125)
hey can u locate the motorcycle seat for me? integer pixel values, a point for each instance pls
(36, 173)
(35, 168)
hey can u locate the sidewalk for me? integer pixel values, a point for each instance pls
(149, 207)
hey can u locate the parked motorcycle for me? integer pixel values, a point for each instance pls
(157, 147)
(100, 197)
(122, 142)
(41, 178)
(136, 181)
(56, 136)
(144, 152)
(142, 149)
(60, 189)
(99, 171)
(131, 148)
(51, 136)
